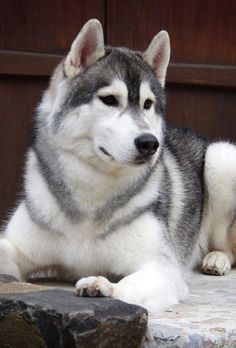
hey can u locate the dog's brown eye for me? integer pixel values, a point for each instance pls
(109, 100)
(147, 104)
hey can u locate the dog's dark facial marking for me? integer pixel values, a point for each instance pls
(118, 63)
(109, 100)
(132, 69)
(105, 151)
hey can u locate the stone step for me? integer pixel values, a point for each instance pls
(49, 314)
(207, 318)
(34, 316)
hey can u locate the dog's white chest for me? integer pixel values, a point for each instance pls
(119, 252)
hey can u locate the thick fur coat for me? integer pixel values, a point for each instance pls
(114, 197)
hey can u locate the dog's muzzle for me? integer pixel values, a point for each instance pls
(146, 144)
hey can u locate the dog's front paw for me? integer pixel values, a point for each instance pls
(94, 287)
(216, 263)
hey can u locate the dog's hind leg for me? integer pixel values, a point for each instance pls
(220, 179)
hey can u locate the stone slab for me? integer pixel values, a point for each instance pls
(42, 317)
(206, 319)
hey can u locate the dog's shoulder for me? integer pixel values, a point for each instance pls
(186, 146)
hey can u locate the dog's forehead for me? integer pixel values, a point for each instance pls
(128, 93)
(128, 66)
(119, 64)
(116, 87)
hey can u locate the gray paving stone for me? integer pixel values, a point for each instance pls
(207, 318)
(33, 316)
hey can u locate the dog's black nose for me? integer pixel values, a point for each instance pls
(146, 144)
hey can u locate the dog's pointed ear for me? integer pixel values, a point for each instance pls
(157, 55)
(86, 49)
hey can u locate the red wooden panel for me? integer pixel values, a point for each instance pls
(200, 31)
(40, 26)
(18, 99)
(52, 25)
(210, 112)
(13, 24)
(44, 26)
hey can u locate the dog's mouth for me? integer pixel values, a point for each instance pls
(105, 151)
(139, 160)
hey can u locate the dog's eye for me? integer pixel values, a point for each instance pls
(109, 100)
(147, 104)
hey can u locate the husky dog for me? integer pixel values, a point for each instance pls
(111, 191)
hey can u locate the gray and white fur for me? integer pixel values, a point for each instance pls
(112, 191)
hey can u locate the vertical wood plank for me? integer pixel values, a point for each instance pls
(33, 26)
(200, 31)
(17, 102)
(53, 25)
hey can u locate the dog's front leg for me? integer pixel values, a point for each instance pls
(155, 287)
(8, 259)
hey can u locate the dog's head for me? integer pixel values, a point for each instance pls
(105, 104)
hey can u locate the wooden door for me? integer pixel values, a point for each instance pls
(201, 80)
(33, 37)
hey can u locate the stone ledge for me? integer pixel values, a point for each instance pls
(206, 319)
(41, 316)
(34, 316)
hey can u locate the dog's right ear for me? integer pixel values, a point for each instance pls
(157, 55)
(86, 49)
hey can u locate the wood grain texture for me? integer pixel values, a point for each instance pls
(203, 53)
(202, 74)
(42, 64)
(28, 28)
(211, 112)
(13, 24)
(27, 63)
(201, 32)
(18, 99)
(52, 25)
(45, 26)
(201, 81)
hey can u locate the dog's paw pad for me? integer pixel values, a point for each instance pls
(216, 263)
(94, 287)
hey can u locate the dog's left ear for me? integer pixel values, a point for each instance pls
(86, 49)
(157, 55)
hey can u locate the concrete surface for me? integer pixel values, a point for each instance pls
(33, 316)
(207, 318)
